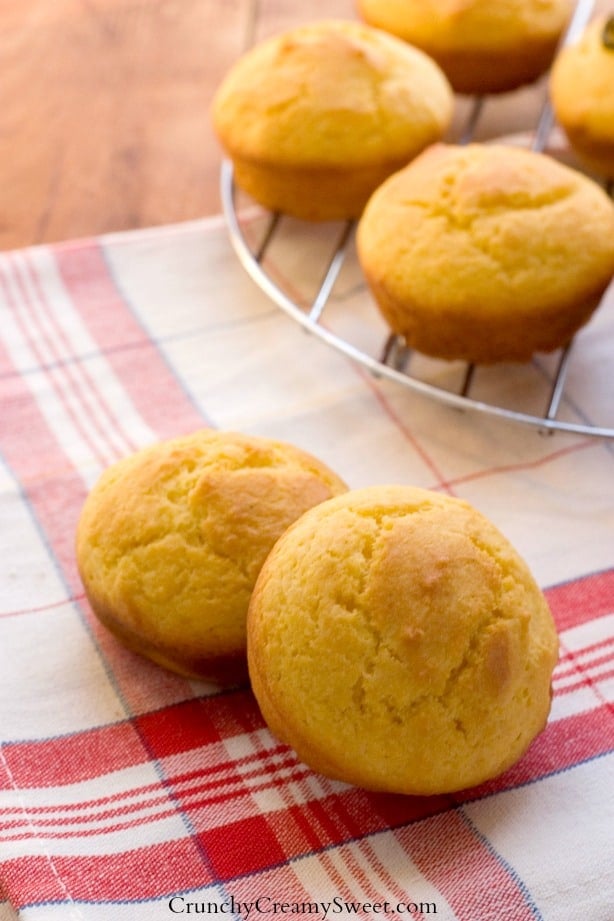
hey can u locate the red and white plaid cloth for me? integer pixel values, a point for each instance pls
(129, 793)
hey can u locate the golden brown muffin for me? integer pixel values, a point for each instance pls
(314, 119)
(582, 94)
(482, 47)
(171, 539)
(487, 253)
(398, 642)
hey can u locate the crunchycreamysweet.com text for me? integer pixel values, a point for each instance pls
(266, 905)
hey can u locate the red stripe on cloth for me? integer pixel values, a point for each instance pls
(194, 723)
(167, 803)
(124, 815)
(299, 829)
(584, 599)
(135, 358)
(198, 786)
(60, 376)
(587, 680)
(453, 858)
(356, 868)
(242, 847)
(588, 657)
(29, 880)
(343, 817)
(335, 818)
(48, 325)
(57, 499)
(72, 758)
(139, 874)
(174, 729)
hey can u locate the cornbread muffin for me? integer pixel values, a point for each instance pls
(314, 119)
(487, 253)
(482, 47)
(582, 95)
(171, 539)
(398, 642)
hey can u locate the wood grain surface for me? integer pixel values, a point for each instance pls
(104, 108)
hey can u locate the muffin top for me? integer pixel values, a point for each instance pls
(171, 539)
(331, 92)
(398, 641)
(489, 228)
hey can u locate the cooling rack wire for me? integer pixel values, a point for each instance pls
(541, 382)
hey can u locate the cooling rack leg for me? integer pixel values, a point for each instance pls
(331, 274)
(559, 382)
(468, 380)
(395, 353)
(472, 121)
(268, 236)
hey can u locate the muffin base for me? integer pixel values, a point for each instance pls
(313, 194)
(462, 337)
(596, 153)
(479, 72)
(229, 668)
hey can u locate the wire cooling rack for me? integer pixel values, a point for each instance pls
(341, 312)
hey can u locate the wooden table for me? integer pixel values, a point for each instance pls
(104, 114)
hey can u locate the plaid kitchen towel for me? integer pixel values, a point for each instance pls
(127, 792)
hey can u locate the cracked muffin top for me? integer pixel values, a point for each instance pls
(398, 641)
(487, 252)
(332, 91)
(315, 118)
(170, 541)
